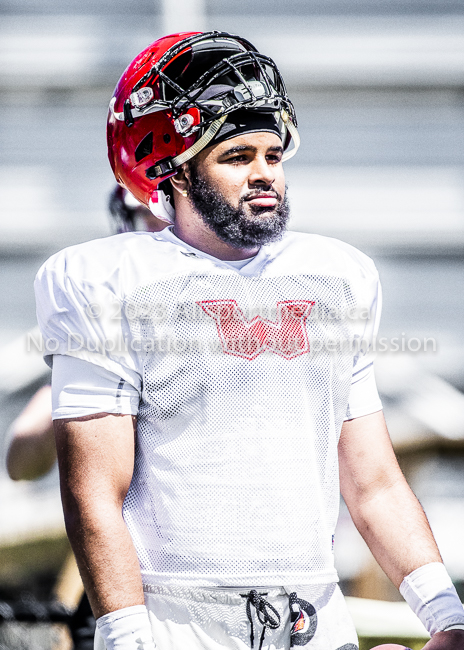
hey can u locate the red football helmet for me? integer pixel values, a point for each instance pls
(174, 97)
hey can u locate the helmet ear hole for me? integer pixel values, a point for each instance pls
(144, 148)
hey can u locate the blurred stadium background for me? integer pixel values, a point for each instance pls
(379, 92)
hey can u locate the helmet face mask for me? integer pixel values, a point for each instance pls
(174, 98)
(240, 78)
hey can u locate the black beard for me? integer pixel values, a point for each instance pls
(232, 225)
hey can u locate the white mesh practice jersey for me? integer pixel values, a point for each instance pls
(245, 377)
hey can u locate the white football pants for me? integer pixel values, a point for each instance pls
(313, 617)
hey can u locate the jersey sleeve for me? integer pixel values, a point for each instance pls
(83, 320)
(80, 388)
(364, 398)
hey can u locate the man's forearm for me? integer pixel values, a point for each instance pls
(396, 530)
(381, 503)
(106, 559)
(111, 575)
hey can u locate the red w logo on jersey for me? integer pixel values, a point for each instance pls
(286, 336)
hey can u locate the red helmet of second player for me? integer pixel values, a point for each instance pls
(174, 98)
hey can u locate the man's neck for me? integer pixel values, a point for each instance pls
(196, 233)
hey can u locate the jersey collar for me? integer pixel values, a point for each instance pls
(252, 266)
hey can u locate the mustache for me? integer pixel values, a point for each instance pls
(254, 193)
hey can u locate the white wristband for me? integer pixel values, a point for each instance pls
(431, 595)
(127, 629)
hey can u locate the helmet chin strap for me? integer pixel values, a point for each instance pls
(201, 143)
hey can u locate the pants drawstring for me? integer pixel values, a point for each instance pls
(267, 615)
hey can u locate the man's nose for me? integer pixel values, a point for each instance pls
(261, 173)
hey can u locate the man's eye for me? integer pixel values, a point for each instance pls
(236, 159)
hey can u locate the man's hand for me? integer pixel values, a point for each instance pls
(450, 640)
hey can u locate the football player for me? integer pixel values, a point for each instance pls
(213, 383)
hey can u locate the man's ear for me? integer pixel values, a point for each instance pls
(181, 180)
